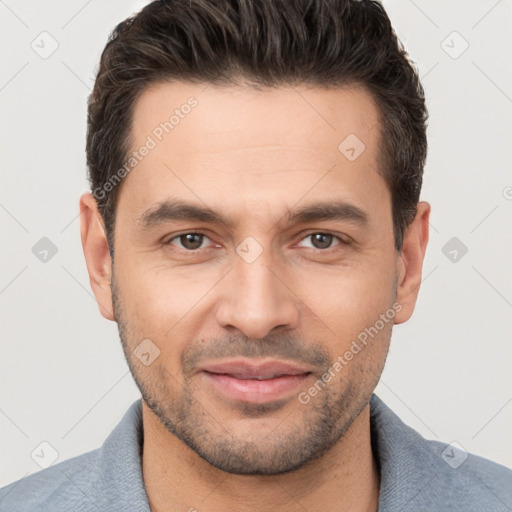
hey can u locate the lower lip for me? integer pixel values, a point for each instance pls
(253, 390)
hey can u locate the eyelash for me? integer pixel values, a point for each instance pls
(197, 251)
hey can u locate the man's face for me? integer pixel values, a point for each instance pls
(260, 285)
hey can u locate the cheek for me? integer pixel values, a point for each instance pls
(162, 305)
(149, 291)
(173, 305)
(350, 297)
(349, 308)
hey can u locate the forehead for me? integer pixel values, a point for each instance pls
(235, 117)
(263, 149)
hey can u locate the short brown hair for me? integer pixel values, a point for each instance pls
(270, 43)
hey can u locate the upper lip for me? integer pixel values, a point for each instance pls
(246, 368)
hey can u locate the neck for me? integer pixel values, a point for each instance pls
(177, 479)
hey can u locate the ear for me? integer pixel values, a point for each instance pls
(97, 255)
(410, 262)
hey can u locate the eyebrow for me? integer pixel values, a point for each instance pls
(177, 210)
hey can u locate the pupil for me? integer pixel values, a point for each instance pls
(193, 240)
(323, 239)
(189, 242)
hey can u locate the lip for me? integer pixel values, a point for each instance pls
(247, 368)
(255, 382)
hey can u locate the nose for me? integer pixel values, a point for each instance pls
(257, 299)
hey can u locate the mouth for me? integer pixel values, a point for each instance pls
(243, 376)
(251, 382)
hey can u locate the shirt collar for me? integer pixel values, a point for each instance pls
(404, 462)
(120, 462)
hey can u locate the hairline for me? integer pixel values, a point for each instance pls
(244, 81)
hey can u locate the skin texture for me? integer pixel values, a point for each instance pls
(252, 156)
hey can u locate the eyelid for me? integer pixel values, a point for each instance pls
(177, 236)
(303, 235)
(342, 241)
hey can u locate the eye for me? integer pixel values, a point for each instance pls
(323, 241)
(189, 241)
(193, 241)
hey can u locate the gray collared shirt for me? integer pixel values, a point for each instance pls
(416, 474)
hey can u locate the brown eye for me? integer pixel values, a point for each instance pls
(189, 241)
(322, 241)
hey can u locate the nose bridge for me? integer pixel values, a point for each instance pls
(256, 300)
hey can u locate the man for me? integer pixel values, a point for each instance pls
(255, 230)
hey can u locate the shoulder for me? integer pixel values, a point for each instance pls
(418, 474)
(465, 478)
(65, 486)
(107, 479)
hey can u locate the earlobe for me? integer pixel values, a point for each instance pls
(96, 252)
(410, 262)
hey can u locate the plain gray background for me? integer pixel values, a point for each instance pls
(64, 380)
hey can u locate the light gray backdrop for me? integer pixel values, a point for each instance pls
(64, 381)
